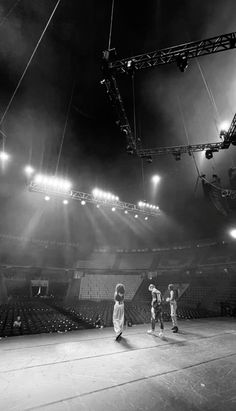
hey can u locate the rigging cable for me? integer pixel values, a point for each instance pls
(111, 23)
(28, 64)
(211, 97)
(188, 142)
(4, 19)
(65, 126)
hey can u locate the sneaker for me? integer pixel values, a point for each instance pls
(173, 327)
(175, 330)
(150, 332)
(161, 334)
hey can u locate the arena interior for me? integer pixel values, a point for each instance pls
(115, 168)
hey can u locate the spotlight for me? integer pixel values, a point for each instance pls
(46, 198)
(53, 183)
(208, 154)
(126, 211)
(65, 201)
(83, 202)
(155, 179)
(136, 216)
(182, 62)
(224, 126)
(4, 156)
(29, 170)
(146, 218)
(98, 206)
(113, 209)
(233, 233)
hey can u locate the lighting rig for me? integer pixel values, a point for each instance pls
(52, 186)
(180, 55)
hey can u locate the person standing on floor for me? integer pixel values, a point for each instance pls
(173, 306)
(156, 310)
(119, 311)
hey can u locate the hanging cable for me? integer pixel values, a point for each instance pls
(28, 64)
(187, 135)
(4, 19)
(143, 180)
(134, 109)
(188, 142)
(111, 23)
(211, 97)
(65, 126)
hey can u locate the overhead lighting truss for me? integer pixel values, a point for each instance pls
(229, 137)
(172, 54)
(89, 198)
(180, 55)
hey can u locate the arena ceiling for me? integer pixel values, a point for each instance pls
(84, 143)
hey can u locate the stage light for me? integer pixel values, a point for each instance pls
(155, 179)
(130, 150)
(98, 206)
(29, 170)
(53, 183)
(224, 126)
(182, 62)
(233, 233)
(146, 218)
(104, 195)
(83, 202)
(4, 156)
(65, 201)
(177, 156)
(148, 159)
(113, 209)
(126, 211)
(46, 198)
(136, 216)
(208, 154)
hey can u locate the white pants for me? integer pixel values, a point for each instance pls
(173, 309)
(118, 317)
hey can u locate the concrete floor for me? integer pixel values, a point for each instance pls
(87, 370)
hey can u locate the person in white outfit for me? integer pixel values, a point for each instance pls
(119, 311)
(173, 306)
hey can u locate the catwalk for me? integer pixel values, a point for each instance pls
(88, 370)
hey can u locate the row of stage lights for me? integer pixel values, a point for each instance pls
(143, 204)
(83, 202)
(54, 185)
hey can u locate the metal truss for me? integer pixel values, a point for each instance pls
(227, 136)
(172, 54)
(89, 198)
(180, 55)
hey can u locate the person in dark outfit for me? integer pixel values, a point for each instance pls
(156, 310)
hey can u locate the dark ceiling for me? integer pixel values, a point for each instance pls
(68, 60)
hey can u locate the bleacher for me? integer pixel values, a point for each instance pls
(102, 287)
(36, 317)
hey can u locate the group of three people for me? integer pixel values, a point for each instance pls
(156, 309)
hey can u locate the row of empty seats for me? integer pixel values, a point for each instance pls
(102, 287)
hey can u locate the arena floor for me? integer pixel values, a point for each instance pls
(87, 370)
